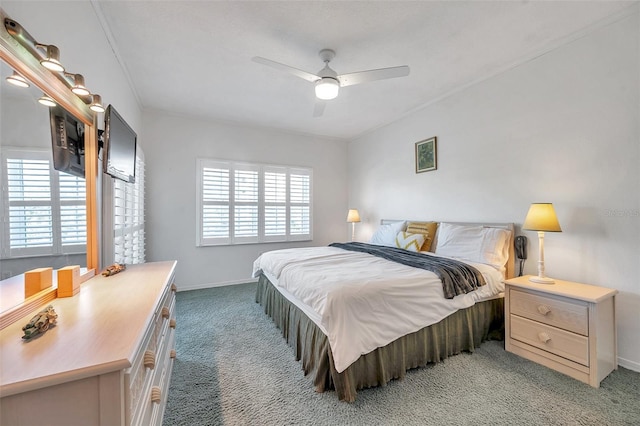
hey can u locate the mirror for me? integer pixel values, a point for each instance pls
(25, 137)
(25, 127)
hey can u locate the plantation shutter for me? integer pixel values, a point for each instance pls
(73, 210)
(30, 206)
(128, 216)
(275, 203)
(300, 202)
(215, 202)
(245, 206)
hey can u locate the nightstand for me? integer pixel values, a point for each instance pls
(569, 327)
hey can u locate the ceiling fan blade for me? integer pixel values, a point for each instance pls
(286, 68)
(372, 75)
(318, 109)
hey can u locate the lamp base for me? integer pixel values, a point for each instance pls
(541, 280)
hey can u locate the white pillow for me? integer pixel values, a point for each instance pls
(410, 241)
(385, 235)
(474, 243)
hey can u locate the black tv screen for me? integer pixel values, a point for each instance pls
(119, 147)
(67, 141)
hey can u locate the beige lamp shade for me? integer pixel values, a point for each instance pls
(353, 216)
(541, 217)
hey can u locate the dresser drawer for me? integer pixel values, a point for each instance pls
(563, 343)
(563, 313)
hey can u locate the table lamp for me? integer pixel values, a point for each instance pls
(541, 217)
(352, 217)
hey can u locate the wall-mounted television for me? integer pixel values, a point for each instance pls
(119, 154)
(67, 141)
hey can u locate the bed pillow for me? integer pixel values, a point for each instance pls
(385, 235)
(474, 243)
(409, 241)
(426, 228)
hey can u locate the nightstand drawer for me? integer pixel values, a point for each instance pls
(562, 313)
(560, 342)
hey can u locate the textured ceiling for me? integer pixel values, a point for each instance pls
(194, 58)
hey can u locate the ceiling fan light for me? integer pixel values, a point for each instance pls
(327, 88)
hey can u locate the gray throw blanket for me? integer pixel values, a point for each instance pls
(457, 277)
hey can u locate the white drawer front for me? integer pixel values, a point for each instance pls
(162, 340)
(566, 314)
(138, 378)
(149, 361)
(560, 342)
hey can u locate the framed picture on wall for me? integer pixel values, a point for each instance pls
(426, 155)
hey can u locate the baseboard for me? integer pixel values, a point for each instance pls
(628, 364)
(211, 285)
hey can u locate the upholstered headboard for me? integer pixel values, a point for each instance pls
(510, 265)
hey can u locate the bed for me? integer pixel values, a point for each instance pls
(358, 317)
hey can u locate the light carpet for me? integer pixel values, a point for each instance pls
(235, 368)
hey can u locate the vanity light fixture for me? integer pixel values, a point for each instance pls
(78, 84)
(96, 104)
(51, 60)
(47, 101)
(17, 80)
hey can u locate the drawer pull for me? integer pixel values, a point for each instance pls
(172, 354)
(149, 359)
(165, 312)
(156, 394)
(173, 287)
(172, 323)
(544, 337)
(544, 309)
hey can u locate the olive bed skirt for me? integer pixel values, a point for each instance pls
(464, 330)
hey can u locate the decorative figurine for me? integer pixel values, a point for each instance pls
(114, 269)
(40, 323)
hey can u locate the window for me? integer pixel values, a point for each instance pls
(44, 210)
(240, 203)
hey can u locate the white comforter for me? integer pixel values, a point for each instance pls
(364, 302)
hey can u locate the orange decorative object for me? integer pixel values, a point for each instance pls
(37, 280)
(69, 281)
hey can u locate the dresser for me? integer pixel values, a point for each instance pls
(108, 361)
(567, 326)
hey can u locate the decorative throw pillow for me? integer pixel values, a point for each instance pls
(409, 241)
(427, 228)
(385, 235)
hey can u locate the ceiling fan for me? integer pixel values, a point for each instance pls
(328, 82)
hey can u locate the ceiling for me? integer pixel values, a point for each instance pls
(194, 58)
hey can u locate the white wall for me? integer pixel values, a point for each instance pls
(173, 145)
(562, 128)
